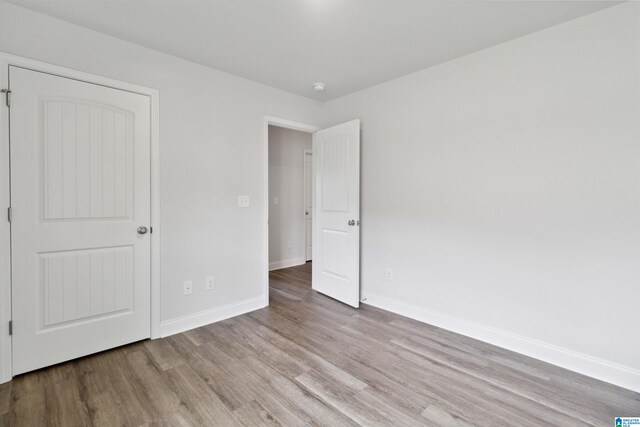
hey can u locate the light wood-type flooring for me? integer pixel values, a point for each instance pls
(309, 360)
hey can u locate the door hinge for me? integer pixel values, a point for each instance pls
(7, 95)
(151, 230)
(9, 214)
(10, 327)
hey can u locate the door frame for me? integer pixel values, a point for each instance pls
(287, 124)
(304, 199)
(7, 60)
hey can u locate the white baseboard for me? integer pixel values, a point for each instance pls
(277, 265)
(202, 318)
(604, 370)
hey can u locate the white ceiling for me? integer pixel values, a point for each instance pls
(290, 44)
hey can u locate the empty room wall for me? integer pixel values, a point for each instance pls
(503, 189)
(211, 149)
(286, 182)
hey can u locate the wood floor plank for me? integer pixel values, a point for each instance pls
(105, 410)
(28, 404)
(130, 395)
(316, 412)
(259, 389)
(155, 385)
(342, 400)
(198, 336)
(435, 415)
(64, 407)
(226, 337)
(219, 378)
(309, 360)
(253, 414)
(5, 397)
(245, 342)
(163, 354)
(389, 409)
(206, 405)
(93, 376)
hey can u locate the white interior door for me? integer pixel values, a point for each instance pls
(336, 229)
(80, 188)
(308, 203)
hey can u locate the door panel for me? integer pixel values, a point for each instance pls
(334, 174)
(336, 234)
(87, 161)
(76, 285)
(80, 184)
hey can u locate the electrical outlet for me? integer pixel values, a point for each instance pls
(389, 274)
(187, 287)
(244, 201)
(208, 283)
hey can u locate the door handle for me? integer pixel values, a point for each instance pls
(142, 229)
(351, 222)
(306, 212)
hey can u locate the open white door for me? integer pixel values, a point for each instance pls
(336, 225)
(80, 196)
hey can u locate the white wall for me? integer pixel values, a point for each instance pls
(211, 143)
(503, 188)
(286, 182)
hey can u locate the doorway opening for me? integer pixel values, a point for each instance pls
(289, 210)
(290, 200)
(332, 202)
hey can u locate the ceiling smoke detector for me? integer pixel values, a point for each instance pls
(318, 87)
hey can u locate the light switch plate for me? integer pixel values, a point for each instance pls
(275, 200)
(244, 201)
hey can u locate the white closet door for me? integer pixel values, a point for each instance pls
(80, 188)
(336, 229)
